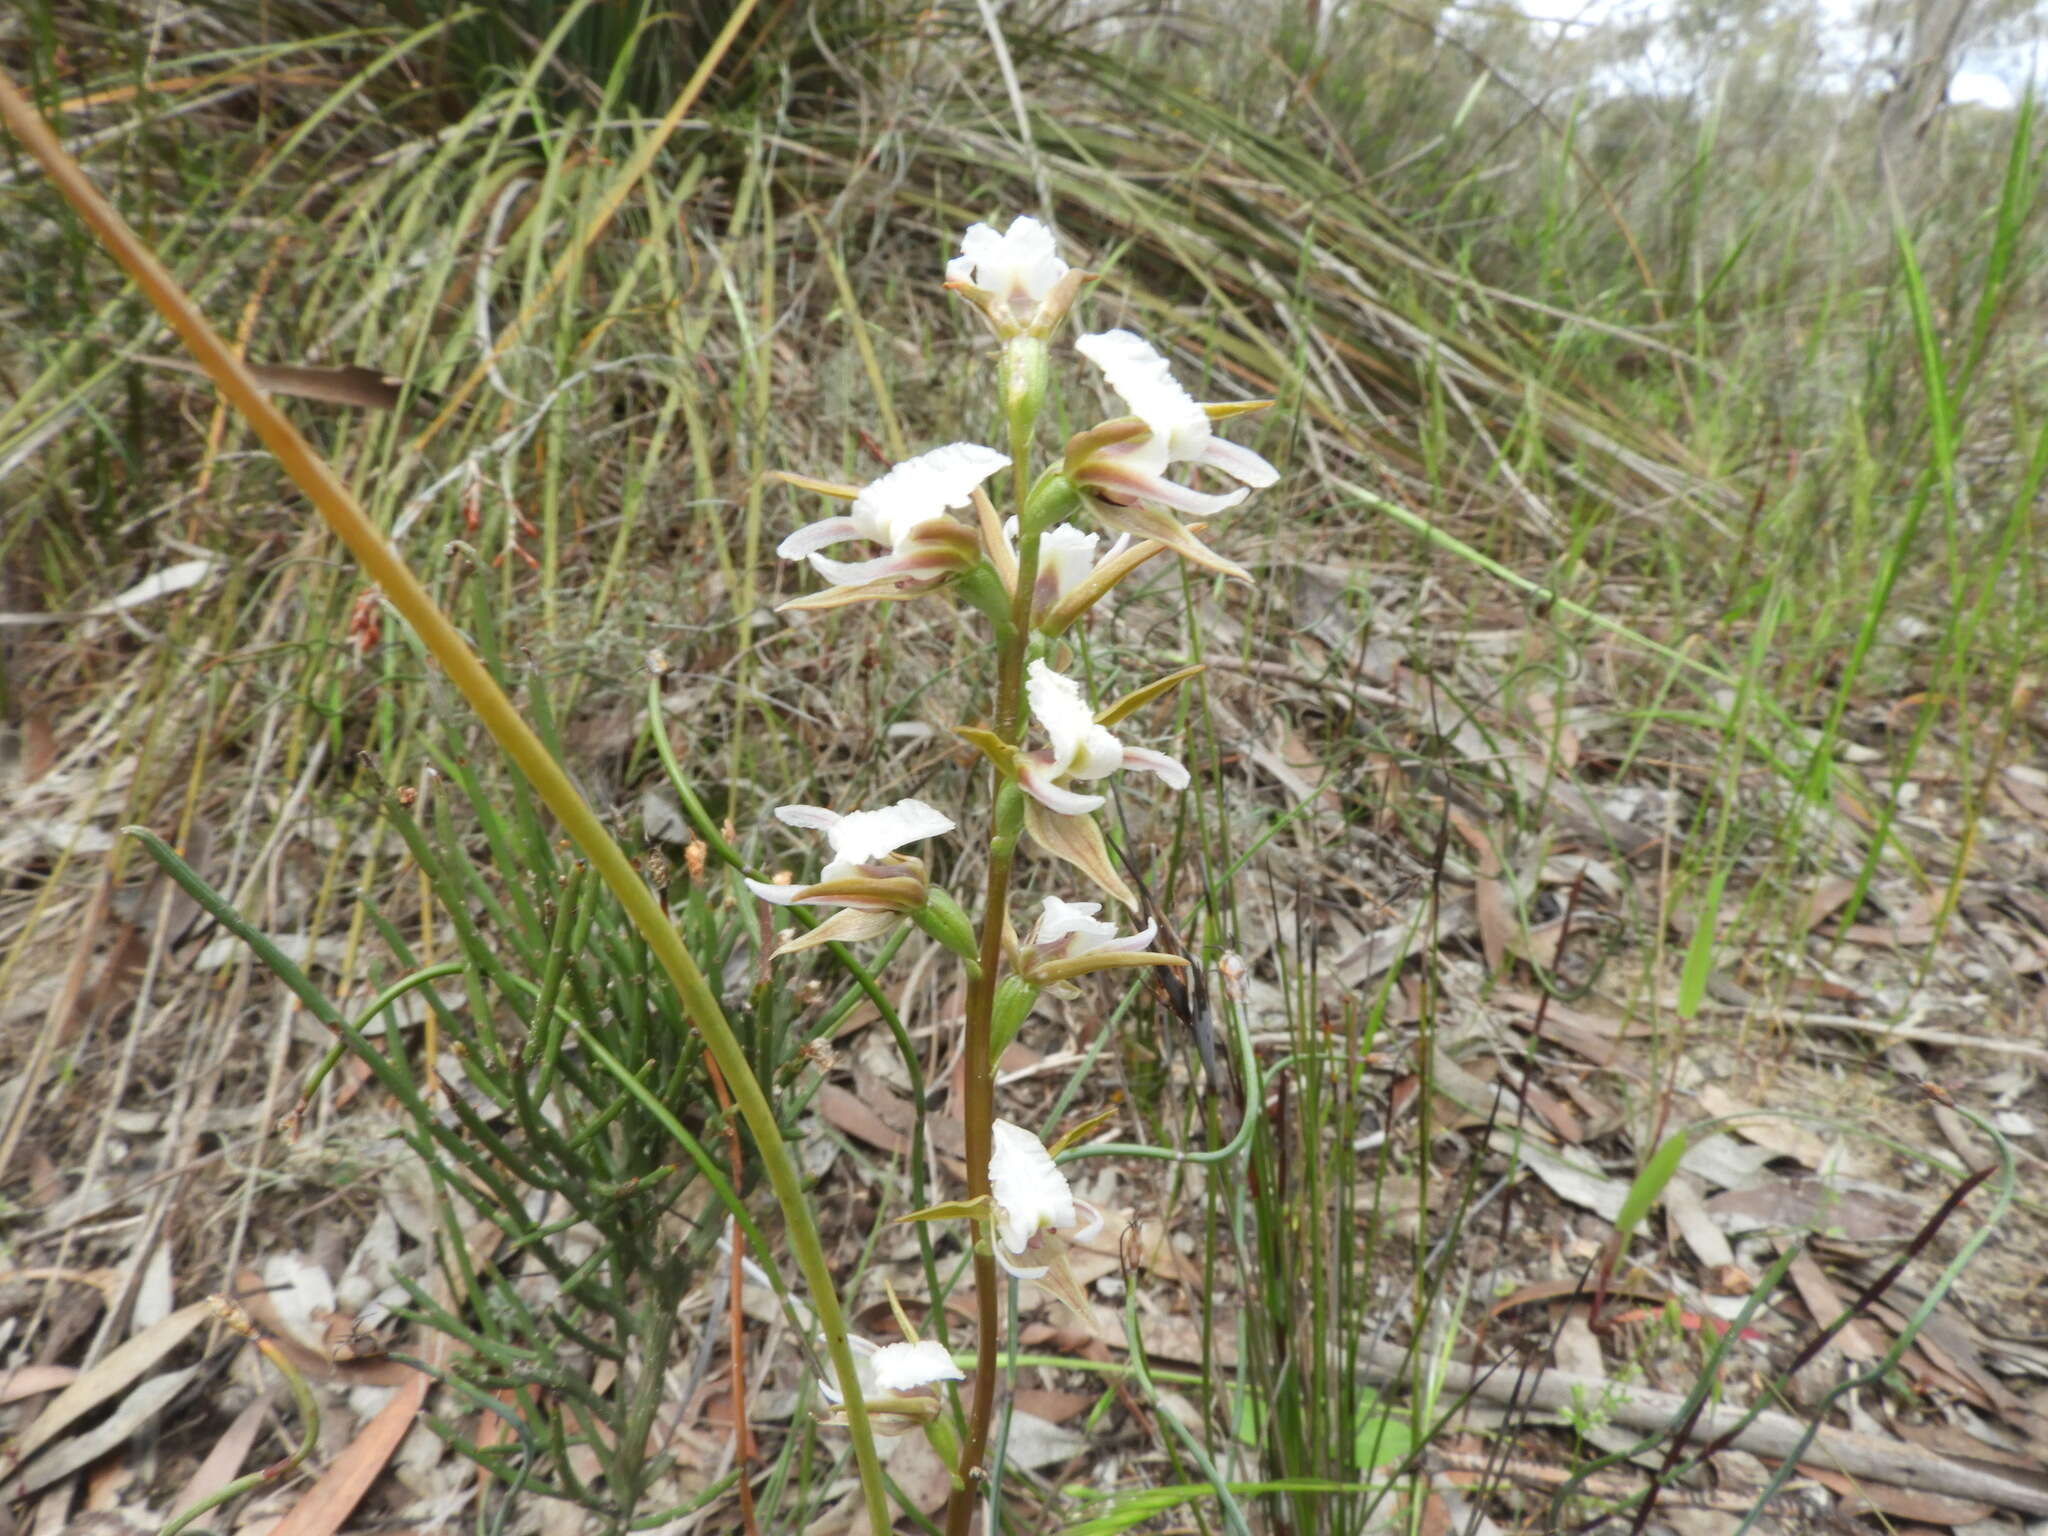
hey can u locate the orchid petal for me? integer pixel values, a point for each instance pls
(1238, 462)
(906, 1367)
(1170, 769)
(816, 536)
(1093, 1225)
(922, 488)
(1115, 478)
(1145, 381)
(813, 818)
(1030, 1192)
(865, 836)
(1020, 1271)
(858, 573)
(1037, 777)
(774, 895)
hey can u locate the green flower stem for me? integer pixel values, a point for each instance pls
(382, 564)
(231, 1313)
(1014, 651)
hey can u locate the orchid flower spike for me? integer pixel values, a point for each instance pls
(893, 1379)
(1016, 278)
(875, 885)
(1033, 1201)
(1081, 749)
(905, 510)
(1121, 465)
(1070, 940)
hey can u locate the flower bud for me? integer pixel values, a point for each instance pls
(1025, 373)
(1015, 998)
(942, 917)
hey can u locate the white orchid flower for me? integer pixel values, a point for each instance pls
(866, 876)
(1081, 749)
(905, 509)
(1066, 559)
(893, 1379)
(1070, 940)
(1123, 463)
(1032, 1198)
(1016, 278)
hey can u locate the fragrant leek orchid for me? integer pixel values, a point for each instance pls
(1066, 559)
(1015, 278)
(1081, 749)
(893, 1379)
(1122, 464)
(1071, 940)
(1033, 1201)
(906, 511)
(873, 883)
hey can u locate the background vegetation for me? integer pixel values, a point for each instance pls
(1638, 719)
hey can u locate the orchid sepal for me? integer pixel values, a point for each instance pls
(894, 883)
(1143, 522)
(1059, 971)
(980, 1209)
(1095, 586)
(991, 746)
(1138, 698)
(1077, 840)
(850, 925)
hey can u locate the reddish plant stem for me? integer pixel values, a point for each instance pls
(981, 995)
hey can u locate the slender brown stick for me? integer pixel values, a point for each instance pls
(743, 1447)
